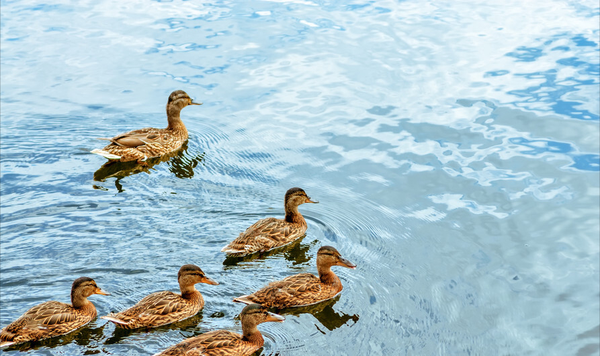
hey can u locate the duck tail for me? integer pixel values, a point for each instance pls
(114, 320)
(6, 343)
(244, 299)
(232, 251)
(105, 154)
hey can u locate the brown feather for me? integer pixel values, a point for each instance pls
(213, 343)
(304, 288)
(224, 342)
(165, 307)
(151, 142)
(294, 291)
(47, 320)
(270, 233)
(158, 309)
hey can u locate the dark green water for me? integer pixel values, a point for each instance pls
(453, 148)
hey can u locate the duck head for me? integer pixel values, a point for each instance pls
(297, 196)
(191, 274)
(328, 256)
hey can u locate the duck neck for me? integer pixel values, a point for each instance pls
(79, 301)
(189, 292)
(292, 215)
(327, 276)
(251, 334)
(175, 123)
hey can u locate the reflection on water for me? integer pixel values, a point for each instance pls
(453, 145)
(181, 164)
(295, 252)
(189, 324)
(89, 335)
(324, 313)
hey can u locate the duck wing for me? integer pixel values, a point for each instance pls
(265, 235)
(45, 320)
(159, 303)
(156, 309)
(137, 138)
(293, 291)
(163, 303)
(212, 343)
(49, 314)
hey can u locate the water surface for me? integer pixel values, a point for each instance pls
(454, 148)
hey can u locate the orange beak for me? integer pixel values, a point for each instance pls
(209, 281)
(100, 291)
(345, 263)
(274, 317)
(310, 201)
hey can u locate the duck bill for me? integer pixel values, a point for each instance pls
(311, 201)
(210, 281)
(102, 292)
(274, 317)
(345, 263)
(194, 103)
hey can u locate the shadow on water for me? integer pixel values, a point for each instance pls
(180, 163)
(324, 313)
(295, 252)
(82, 336)
(184, 325)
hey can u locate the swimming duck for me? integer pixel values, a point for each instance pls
(224, 342)
(270, 233)
(150, 142)
(54, 318)
(304, 288)
(165, 307)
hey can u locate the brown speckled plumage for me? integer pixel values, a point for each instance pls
(139, 145)
(227, 343)
(305, 288)
(165, 307)
(270, 233)
(54, 318)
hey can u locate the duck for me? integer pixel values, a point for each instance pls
(54, 318)
(225, 342)
(305, 288)
(140, 145)
(271, 233)
(162, 308)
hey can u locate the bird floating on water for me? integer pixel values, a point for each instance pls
(304, 288)
(270, 233)
(140, 145)
(54, 318)
(165, 307)
(225, 342)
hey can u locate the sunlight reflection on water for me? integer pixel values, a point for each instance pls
(453, 146)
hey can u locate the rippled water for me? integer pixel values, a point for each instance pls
(453, 147)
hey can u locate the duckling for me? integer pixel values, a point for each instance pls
(304, 288)
(165, 307)
(54, 318)
(150, 142)
(224, 342)
(270, 233)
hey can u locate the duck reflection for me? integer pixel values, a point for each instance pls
(180, 163)
(85, 336)
(184, 325)
(324, 313)
(295, 252)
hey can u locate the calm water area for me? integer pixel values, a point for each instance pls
(453, 146)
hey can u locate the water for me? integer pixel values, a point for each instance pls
(453, 147)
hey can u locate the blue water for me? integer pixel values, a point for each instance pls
(454, 147)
